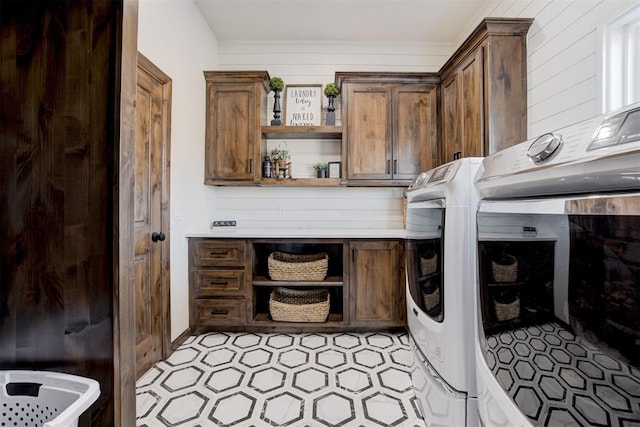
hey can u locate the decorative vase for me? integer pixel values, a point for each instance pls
(276, 109)
(331, 115)
(322, 173)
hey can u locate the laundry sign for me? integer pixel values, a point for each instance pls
(303, 105)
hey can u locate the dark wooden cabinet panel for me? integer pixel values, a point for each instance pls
(216, 253)
(377, 291)
(484, 91)
(219, 312)
(462, 94)
(218, 282)
(390, 123)
(234, 107)
(451, 142)
(219, 271)
(369, 130)
(415, 130)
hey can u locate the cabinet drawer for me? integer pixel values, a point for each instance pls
(218, 282)
(220, 311)
(218, 253)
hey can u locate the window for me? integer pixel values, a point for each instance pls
(621, 60)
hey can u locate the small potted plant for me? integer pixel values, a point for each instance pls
(321, 169)
(280, 155)
(276, 84)
(331, 90)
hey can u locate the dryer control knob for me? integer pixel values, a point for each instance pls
(543, 147)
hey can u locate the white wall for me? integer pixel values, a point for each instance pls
(176, 38)
(562, 57)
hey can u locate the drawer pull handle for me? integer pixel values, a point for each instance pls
(218, 282)
(219, 311)
(214, 253)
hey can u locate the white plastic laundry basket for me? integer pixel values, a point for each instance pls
(44, 399)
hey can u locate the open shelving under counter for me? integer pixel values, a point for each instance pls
(235, 279)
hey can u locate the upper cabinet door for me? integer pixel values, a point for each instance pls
(451, 142)
(390, 126)
(233, 126)
(415, 112)
(368, 132)
(471, 78)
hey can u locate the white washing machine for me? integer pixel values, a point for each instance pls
(558, 229)
(441, 265)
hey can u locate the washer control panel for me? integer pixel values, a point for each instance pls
(617, 129)
(544, 147)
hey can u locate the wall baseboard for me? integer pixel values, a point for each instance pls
(180, 340)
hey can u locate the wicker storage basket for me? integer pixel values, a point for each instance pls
(507, 311)
(284, 266)
(431, 300)
(505, 269)
(295, 305)
(429, 265)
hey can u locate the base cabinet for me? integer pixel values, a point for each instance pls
(218, 283)
(230, 286)
(377, 294)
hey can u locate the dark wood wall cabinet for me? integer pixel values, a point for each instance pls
(230, 285)
(235, 111)
(390, 123)
(484, 91)
(394, 125)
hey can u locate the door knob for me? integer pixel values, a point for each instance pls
(155, 236)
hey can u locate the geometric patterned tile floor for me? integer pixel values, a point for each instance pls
(247, 379)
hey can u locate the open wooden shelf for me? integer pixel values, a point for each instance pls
(326, 182)
(329, 281)
(333, 318)
(302, 132)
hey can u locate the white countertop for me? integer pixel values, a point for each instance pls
(302, 233)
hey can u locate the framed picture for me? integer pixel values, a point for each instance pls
(303, 105)
(334, 169)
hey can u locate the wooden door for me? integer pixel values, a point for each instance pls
(472, 95)
(377, 292)
(415, 130)
(151, 222)
(368, 131)
(451, 139)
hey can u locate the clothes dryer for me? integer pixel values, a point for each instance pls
(441, 264)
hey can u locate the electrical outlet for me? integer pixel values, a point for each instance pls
(227, 223)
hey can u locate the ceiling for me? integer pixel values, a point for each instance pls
(424, 21)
